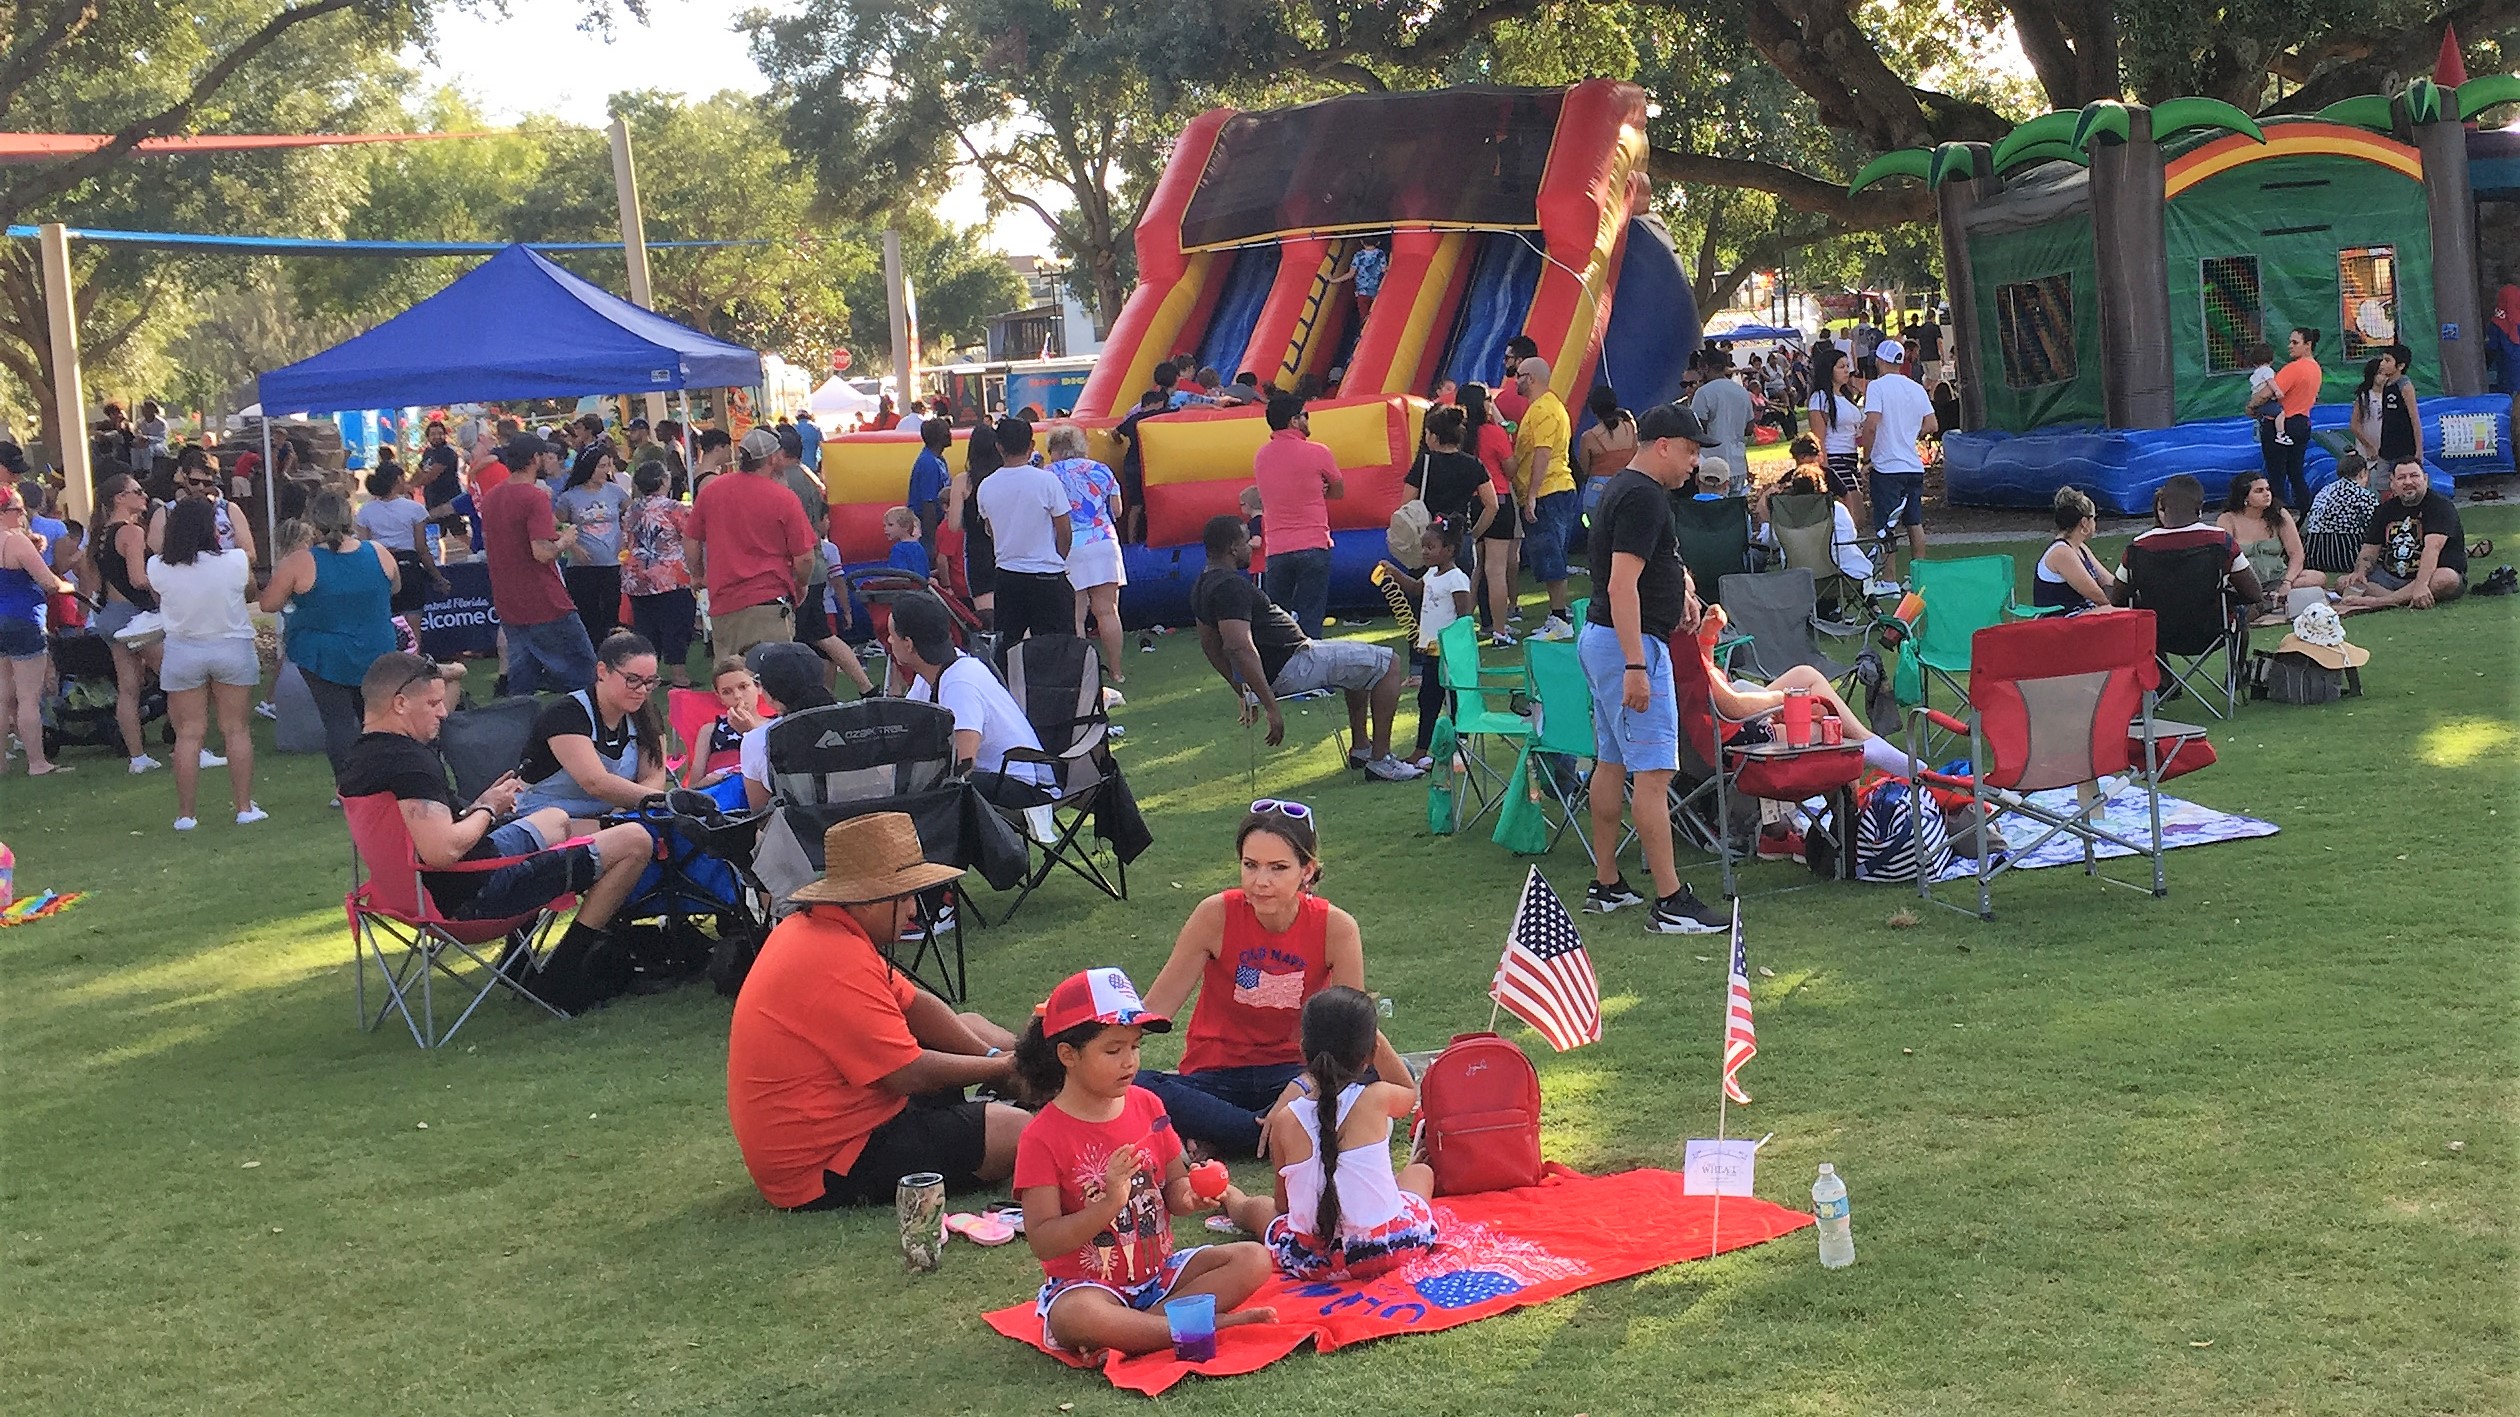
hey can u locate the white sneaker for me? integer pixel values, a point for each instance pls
(1880, 586)
(1113, 698)
(253, 813)
(1502, 639)
(144, 763)
(1390, 769)
(1555, 627)
(268, 709)
(212, 760)
(185, 824)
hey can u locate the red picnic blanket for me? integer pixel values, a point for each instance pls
(1500, 1251)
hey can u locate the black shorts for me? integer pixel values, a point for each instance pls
(943, 1132)
(813, 623)
(1507, 523)
(1839, 471)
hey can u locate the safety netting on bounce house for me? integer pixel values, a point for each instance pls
(2306, 223)
(1506, 212)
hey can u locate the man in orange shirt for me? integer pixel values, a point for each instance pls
(2297, 388)
(842, 1074)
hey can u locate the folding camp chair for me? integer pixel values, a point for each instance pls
(1777, 611)
(883, 587)
(1805, 527)
(2203, 642)
(390, 910)
(1480, 724)
(2054, 704)
(482, 745)
(1714, 539)
(691, 713)
(883, 755)
(1057, 679)
(1725, 761)
(1562, 724)
(1961, 597)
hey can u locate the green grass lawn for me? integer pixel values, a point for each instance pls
(2246, 1149)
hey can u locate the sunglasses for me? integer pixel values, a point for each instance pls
(427, 671)
(202, 484)
(1292, 811)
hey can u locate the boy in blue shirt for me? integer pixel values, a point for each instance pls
(901, 528)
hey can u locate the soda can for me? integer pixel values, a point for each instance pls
(1832, 731)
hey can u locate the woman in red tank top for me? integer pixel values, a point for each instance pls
(1252, 956)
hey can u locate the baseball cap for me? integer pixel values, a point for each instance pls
(1714, 472)
(791, 442)
(521, 450)
(1097, 996)
(1669, 420)
(757, 446)
(636, 423)
(1890, 351)
(790, 673)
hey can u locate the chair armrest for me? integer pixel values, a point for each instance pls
(2031, 612)
(1840, 631)
(1937, 718)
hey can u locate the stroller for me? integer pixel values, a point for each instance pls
(80, 711)
(702, 873)
(882, 587)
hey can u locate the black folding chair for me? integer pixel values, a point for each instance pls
(883, 755)
(1057, 680)
(483, 744)
(1714, 539)
(2203, 638)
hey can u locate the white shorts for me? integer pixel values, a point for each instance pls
(192, 664)
(1096, 562)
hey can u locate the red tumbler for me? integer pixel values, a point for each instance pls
(1797, 718)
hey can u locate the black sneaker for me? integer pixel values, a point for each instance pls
(1684, 914)
(1618, 895)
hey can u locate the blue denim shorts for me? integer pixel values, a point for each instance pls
(1555, 519)
(1638, 742)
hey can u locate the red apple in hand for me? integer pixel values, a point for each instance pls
(1209, 1179)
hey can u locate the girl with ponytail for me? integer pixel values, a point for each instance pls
(1347, 1214)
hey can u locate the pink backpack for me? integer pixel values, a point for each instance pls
(1479, 1116)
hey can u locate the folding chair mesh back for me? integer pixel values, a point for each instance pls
(1477, 722)
(1562, 723)
(1805, 525)
(483, 744)
(1714, 538)
(690, 712)
(1057, 681)
(1777, 610)
(1961, 597)
(389, 908)
(2202, 646)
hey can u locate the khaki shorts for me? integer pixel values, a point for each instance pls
(739, 630)
(1332, 664)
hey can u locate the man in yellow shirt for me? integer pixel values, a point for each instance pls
(1544, 482)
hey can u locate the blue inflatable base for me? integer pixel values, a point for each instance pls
(1160, 578)
(2122, 468)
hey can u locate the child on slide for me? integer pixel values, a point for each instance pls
(1340, 1212)
(1101, 1175)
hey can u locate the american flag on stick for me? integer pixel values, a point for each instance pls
(1741, 1042)
(1546, 979)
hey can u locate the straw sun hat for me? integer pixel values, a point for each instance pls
(2319, 635)
(871, 858)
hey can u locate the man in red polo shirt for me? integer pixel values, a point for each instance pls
(522, 543)
(842, 1074)
(1298, 480)
(748, 541)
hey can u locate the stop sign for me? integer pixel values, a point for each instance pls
(840, 361)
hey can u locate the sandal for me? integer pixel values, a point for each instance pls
(980, 1229)
(2480, 548)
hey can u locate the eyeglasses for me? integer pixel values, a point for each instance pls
(640, 683)
(427, 671)
(1292, 811)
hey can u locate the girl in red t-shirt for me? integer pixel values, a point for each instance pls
(1253, 956)
(1101, 1176)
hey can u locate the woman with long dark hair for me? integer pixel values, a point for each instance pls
(209, 654)
(592, 501)
(1500, 546)
(119, 552)
(25, 659)
(962, 509)
(600, 749)
(343, 590)
(1836, 415)
(2267, 535)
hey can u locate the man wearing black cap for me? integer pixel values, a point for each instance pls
(522, 543)
(1643, 597)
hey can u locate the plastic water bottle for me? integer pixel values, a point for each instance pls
(1837, 1232)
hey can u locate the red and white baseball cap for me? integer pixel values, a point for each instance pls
(1097, 996)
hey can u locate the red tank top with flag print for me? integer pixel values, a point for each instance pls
(1251, 999)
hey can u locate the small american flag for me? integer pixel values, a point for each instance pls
(1741, 1042)
(1546, 979)
(1263, 989)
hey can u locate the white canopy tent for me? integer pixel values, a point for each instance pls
(838, 398)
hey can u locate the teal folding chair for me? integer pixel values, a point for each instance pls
(1562, 725)
(1714, 539)
(1961, 597)
(1481, 725)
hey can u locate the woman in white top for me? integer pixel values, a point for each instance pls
(210, 654)
(1340, 1211)
(1836, 415)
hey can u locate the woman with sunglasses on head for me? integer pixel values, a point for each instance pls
(339, 591)
(197, 478)
(1253, 955)
(119, 552)
(602, 749)
(209, 655)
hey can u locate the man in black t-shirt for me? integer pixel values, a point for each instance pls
(2414, 553)
(441, 478)
(1642, 596)
(406, 701)
(1258, 649)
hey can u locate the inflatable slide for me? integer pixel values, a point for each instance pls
(1506, 211)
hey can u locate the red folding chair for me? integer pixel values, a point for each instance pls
(2052, 704)
(691, 712)
(391, 906)
(1769, 771)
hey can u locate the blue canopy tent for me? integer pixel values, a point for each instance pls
(514, 327)
(1758, 332)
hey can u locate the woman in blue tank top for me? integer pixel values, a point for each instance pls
(24, 582)
(340, 596)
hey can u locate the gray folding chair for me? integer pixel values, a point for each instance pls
(1778, 611)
